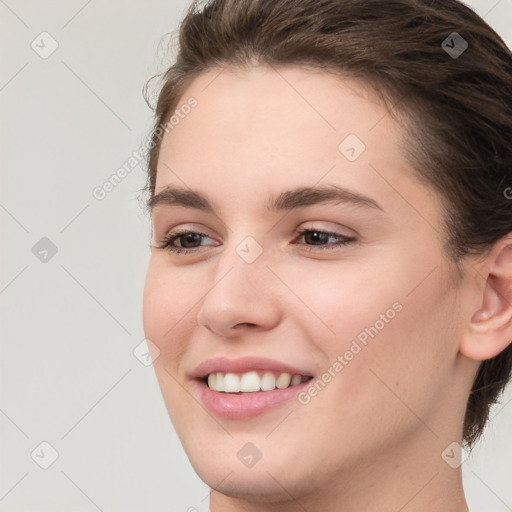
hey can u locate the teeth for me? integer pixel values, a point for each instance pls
(283, 381)
(268, 382)
(296, 379)
(251, 382)
(219, 382)
(231, 383)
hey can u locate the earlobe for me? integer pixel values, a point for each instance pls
(489, 331)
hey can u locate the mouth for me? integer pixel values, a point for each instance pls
(245, 395)
(248, 386)
(252, 381)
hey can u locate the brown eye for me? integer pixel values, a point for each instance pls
(189, 241)
(189, 238)
(319, 239)
(316, 237)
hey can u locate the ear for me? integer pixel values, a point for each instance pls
(489, 331)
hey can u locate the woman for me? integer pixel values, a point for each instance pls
(330, 283)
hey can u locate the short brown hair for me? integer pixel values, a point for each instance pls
(458, 108)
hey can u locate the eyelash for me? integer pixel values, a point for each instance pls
(169, 239)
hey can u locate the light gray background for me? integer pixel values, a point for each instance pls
(69, 326)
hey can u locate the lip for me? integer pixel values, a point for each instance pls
(241, 406)
(243, 365)
(237, 406)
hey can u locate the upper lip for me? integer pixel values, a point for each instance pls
(243, 365)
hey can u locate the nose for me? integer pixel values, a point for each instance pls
(240, 297)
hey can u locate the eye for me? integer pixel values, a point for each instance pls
(188, 241)
(191, 240)
(320, 238)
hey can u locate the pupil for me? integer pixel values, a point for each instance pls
(317, 237)
(189, 237)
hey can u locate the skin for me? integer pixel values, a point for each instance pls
(373, 438)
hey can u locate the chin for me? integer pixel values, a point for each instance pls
(277, 474)
(256, 485)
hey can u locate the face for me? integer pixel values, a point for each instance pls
(341, 296)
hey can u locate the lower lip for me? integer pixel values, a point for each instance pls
(236, 407)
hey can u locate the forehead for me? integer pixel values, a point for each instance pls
(264, 129)
(292, 112)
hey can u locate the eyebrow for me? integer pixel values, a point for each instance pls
(296, 198)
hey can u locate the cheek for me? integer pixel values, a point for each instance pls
(420, 346)
(336, 303)
(382, 376)
(167, 302)
(392, 328)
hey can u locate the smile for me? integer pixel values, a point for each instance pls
(252, 381)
